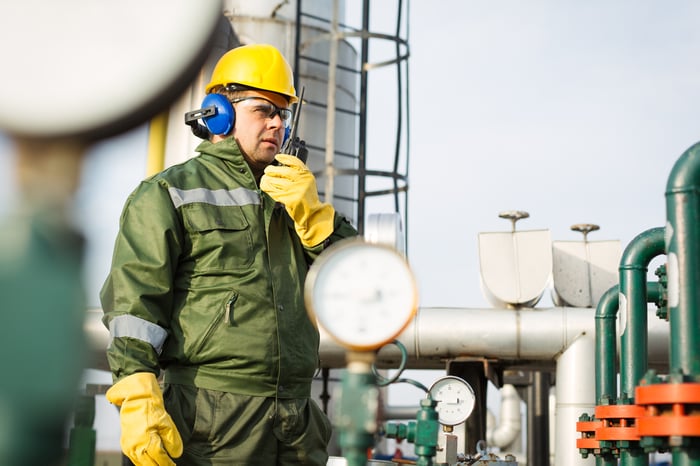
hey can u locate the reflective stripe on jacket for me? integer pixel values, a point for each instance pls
(207, 282)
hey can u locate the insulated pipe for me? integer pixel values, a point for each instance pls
(683, 244)
(523, 337)
(633, 309)
(682, 236)
(575, 393)
(508, 429)
(606, 341)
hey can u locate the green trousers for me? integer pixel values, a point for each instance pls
(220, 428)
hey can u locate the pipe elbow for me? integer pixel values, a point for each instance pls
(685, 173)
(508, 430)
(643, 248)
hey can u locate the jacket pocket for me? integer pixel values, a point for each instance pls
(219, 320)
(221, 237)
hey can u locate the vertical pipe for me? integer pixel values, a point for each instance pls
(575, 392)
(538, 419)
(362, 155)
(297, 46)
(682, 237)
(606, 344)
(634, 359)
(605, 356)
(330, 107)
(633, 307)
(157, 135)
(606, 347)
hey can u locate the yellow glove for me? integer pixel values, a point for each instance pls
(149, 436)
(293, 184)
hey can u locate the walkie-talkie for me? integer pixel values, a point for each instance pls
(293, 145)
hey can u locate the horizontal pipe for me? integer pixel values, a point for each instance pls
(523, 337)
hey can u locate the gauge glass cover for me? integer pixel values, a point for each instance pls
(455, 399)
(362, 294)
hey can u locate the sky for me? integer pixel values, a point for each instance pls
(572, 111)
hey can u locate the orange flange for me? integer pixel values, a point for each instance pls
(617, 433)
(619, 422)
(669, 409)
(615, 412)
(664, 426)
(668, 393)
(588, 429)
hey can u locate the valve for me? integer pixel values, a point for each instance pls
(513, 216)
(585, 228)
(423, 432)
(357, 408)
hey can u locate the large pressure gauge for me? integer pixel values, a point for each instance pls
(455, 399)
(362, 294)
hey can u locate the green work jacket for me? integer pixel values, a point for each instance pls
(207, 282)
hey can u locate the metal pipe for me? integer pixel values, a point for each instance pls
(606, 347)
(633, 323)
(575, 393)
(682, 236)
(683, 242)
(633, 305)
(157, 136)
(508, 429)
(331, 105)
(362, 130)
(523, 337)
(538, 419)
(606, 350)
(606, 341)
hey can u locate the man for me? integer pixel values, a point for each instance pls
(207, 284)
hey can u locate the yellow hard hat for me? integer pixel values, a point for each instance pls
(260, 66)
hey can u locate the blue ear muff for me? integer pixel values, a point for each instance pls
(224, 116)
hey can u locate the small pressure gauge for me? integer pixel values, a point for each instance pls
(455, 399)
(362, 294)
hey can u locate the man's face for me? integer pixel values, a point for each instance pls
(258, 135)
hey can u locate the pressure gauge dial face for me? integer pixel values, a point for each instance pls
(455, 399)
(362, 294)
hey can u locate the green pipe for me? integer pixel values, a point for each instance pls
(605, 356)
(633, 305)
(683, 227)
(606, 341)
(606, 347)
(606, 350)
(634, 358)
(683, 268)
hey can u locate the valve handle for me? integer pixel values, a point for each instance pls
(585, 228)
(513, 216)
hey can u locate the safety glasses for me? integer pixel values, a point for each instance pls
(263, 108)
